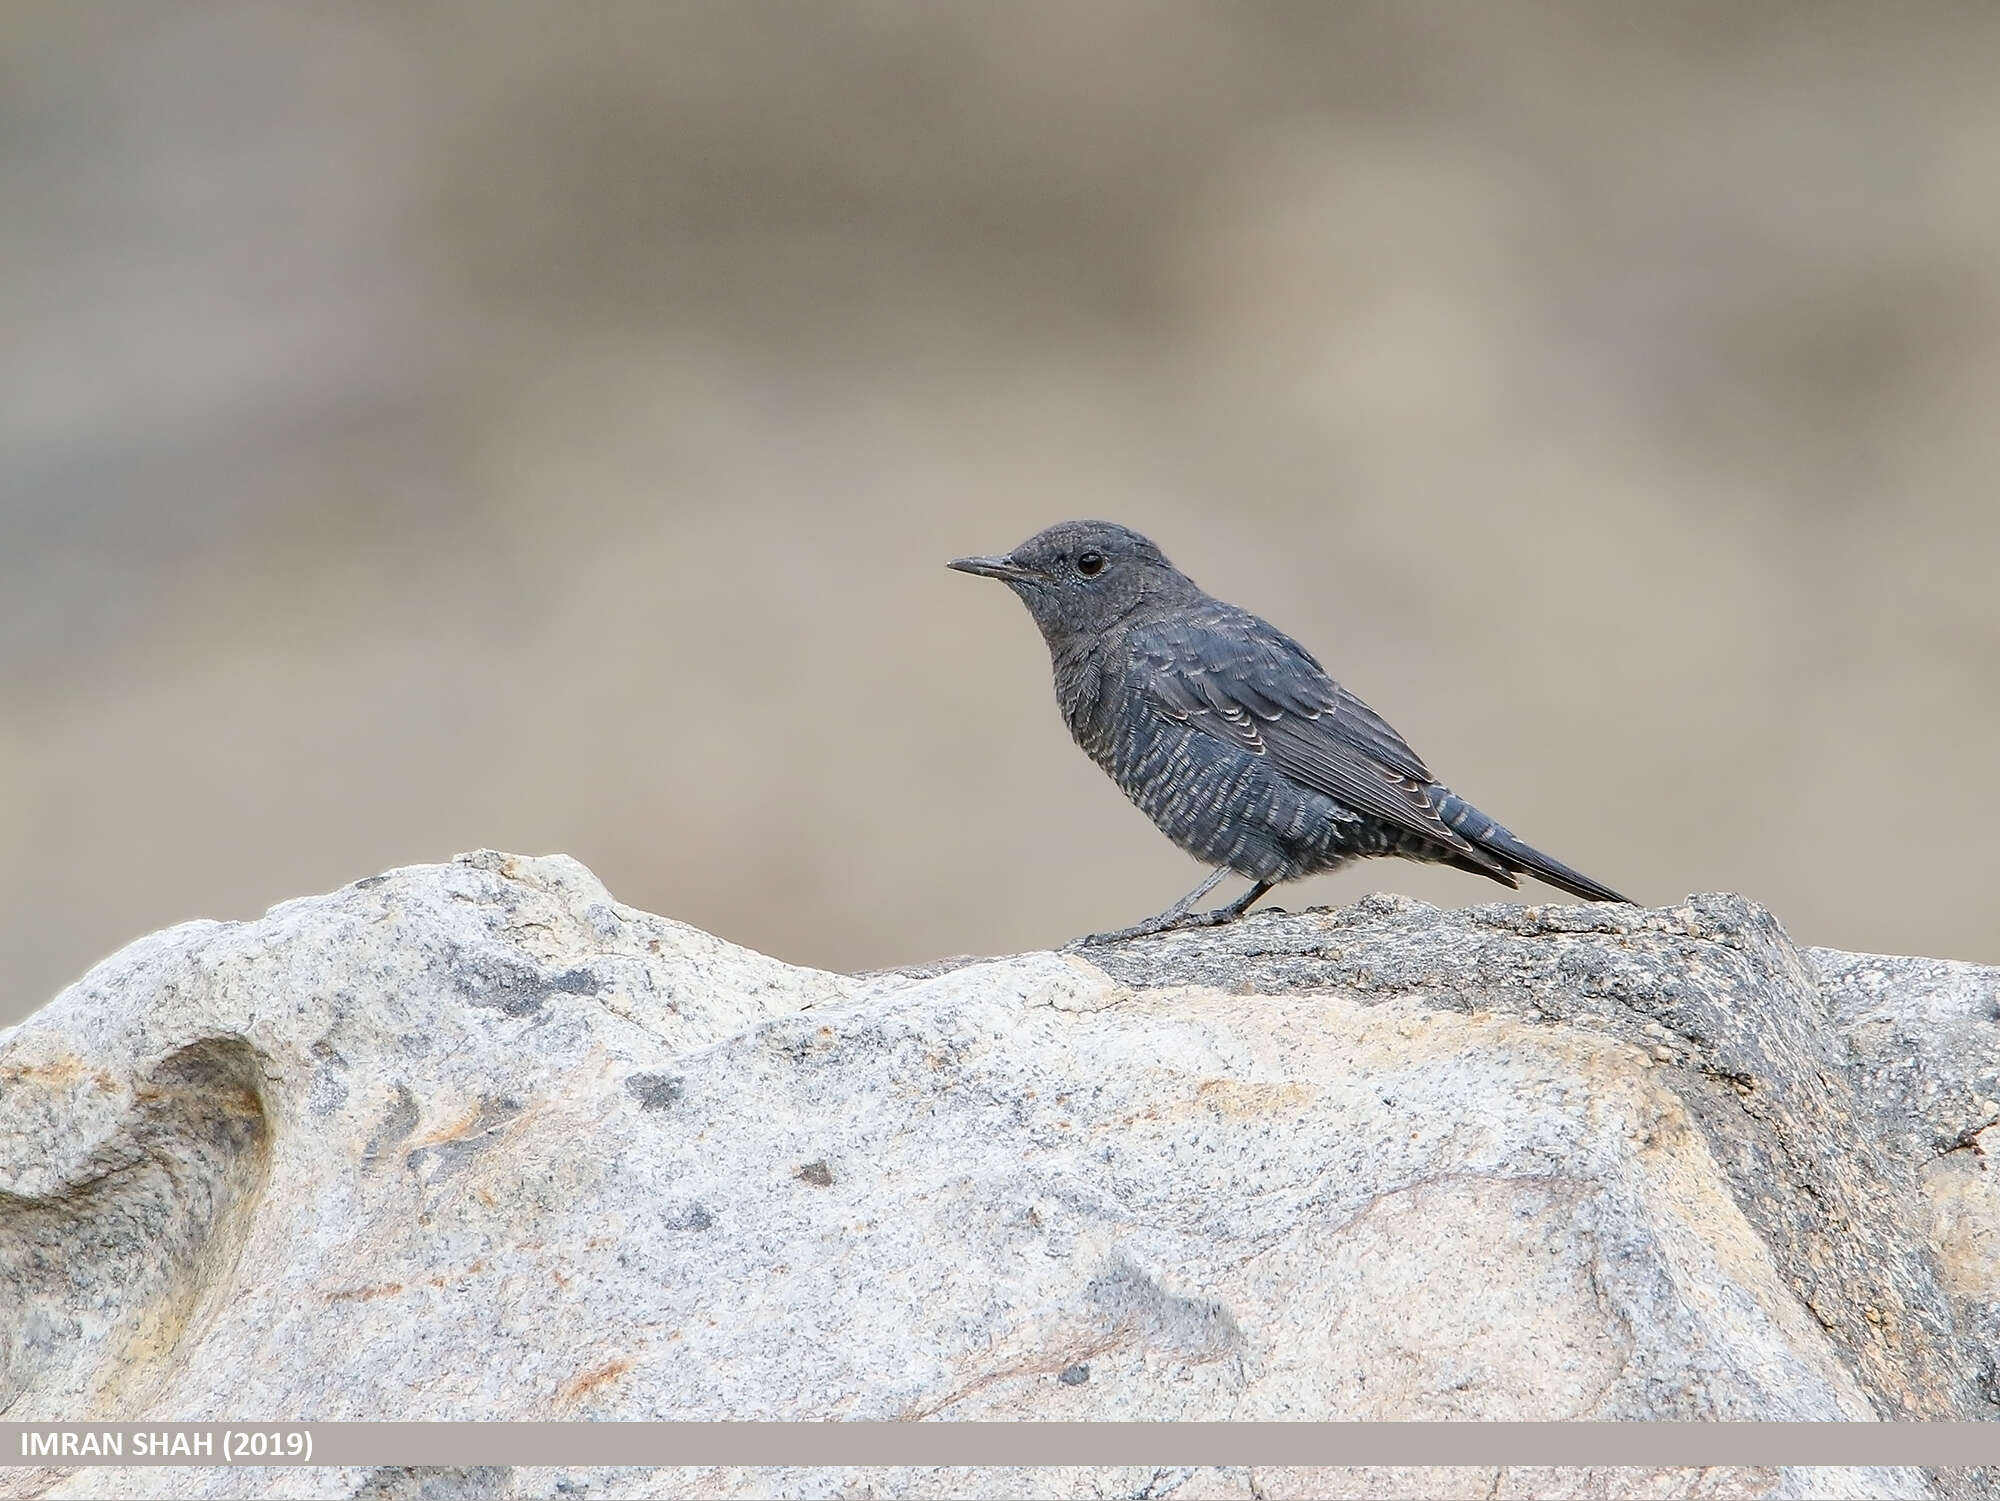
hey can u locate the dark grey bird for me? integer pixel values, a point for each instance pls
(1230, 736)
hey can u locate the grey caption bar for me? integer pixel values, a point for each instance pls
(1674, 1445)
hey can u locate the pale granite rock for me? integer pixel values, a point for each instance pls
(475, 1141)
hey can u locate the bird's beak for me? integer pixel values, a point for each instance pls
(992, 568)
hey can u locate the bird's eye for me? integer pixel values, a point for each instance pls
(1090, 564)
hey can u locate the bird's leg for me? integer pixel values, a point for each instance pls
(1181, 914)
(1209, 882)
(1236, 908)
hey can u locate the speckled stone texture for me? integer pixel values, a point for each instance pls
(476, 1141)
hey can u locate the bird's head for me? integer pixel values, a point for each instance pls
(1079, 577)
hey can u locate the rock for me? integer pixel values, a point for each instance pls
(476, 1141)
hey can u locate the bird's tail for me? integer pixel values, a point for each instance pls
(1487, 836)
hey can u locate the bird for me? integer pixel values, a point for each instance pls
(1230, 736)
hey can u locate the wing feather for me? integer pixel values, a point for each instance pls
(1228, 674)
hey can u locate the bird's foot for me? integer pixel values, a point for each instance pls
(1166, 922)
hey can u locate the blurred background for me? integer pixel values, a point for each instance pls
(428, 427)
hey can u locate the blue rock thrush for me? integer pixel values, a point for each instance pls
(1230, 736)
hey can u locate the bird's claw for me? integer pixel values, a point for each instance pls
(1165, 923)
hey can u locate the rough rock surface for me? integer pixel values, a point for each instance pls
(476, 1141)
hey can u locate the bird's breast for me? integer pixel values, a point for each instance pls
(1087, 695)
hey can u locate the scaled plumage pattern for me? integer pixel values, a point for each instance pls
(1230, 736)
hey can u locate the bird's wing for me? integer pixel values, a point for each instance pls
(1228, 674)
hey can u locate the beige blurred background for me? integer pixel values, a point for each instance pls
(435, 426)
